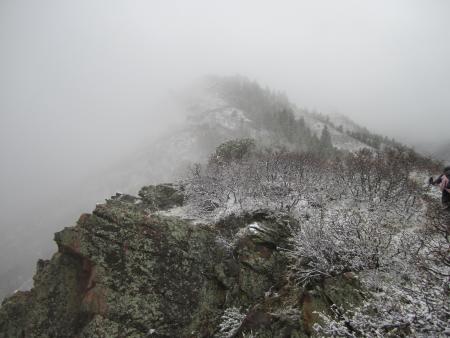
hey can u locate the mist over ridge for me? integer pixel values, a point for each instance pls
(85, 84)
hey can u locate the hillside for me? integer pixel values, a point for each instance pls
(280, 222)
(239, 255)
(218, 109)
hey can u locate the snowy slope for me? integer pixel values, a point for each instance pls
(340, 140)
(211, 119)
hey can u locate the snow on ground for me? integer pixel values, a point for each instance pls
(345, 142)
(254, 227)
(226, 116)
(346, 123)
(339, 139)
(421, 178)
(183, 213)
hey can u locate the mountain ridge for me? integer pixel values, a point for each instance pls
(283, 224)
(216, 109)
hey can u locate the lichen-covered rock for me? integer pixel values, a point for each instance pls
(162, 196)
(121, 271)
(126, 271)
(53, 307)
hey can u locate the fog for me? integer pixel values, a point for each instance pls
(81, 82)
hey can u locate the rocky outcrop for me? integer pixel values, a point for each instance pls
(128, 271)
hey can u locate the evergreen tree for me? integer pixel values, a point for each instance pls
(326, 146)
(325, 138)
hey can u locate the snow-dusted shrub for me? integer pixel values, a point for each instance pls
(277, 180)
(331, 242)
(359, 229)
(416, 306)
(231, 320)
(359, 212)
(410, 296)
(377, 176)
(240, 177)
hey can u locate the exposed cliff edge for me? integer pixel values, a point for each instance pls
(127, 271)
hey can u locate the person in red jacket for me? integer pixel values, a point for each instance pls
(444, 184)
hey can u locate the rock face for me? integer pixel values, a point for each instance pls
(127, 271)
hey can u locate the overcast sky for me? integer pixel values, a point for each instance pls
(78, 79)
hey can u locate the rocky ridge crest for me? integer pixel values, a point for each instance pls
(127, 271)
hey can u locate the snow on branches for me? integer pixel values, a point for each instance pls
(357, 212)
(231, 320)
(335, 241)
